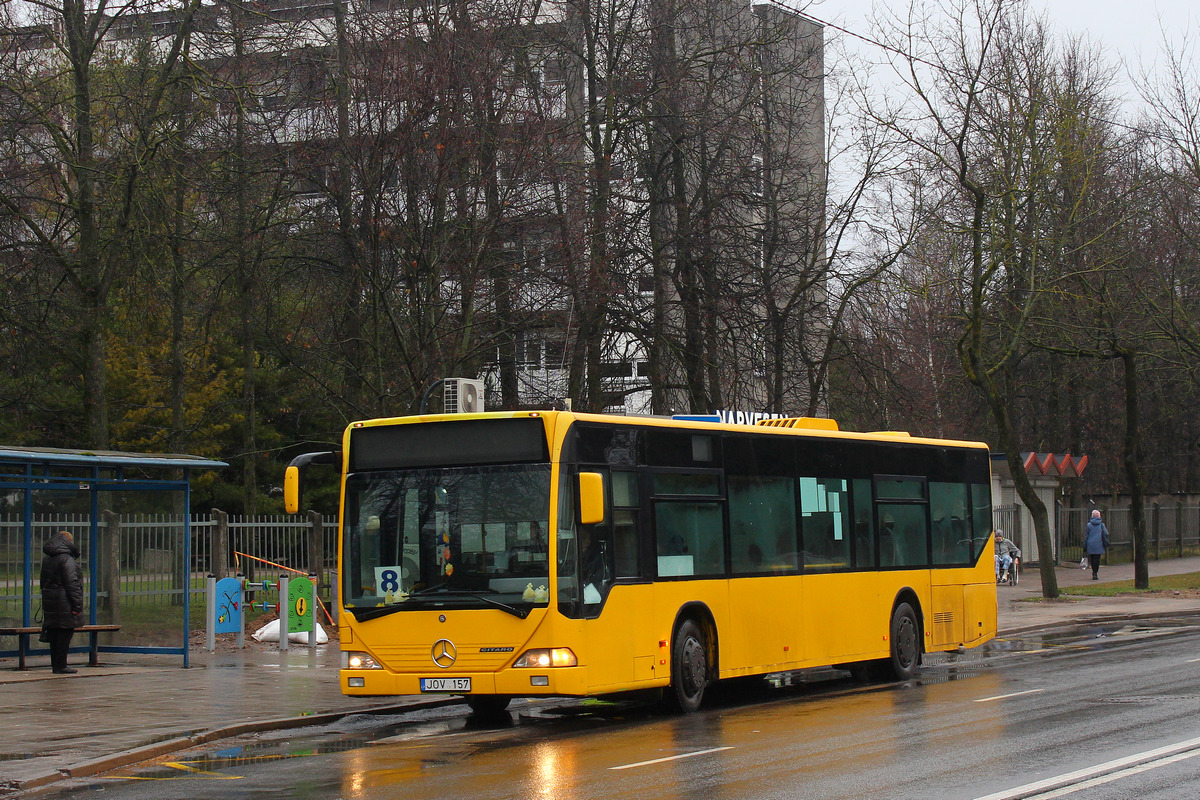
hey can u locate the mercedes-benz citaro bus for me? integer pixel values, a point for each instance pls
(510, 554)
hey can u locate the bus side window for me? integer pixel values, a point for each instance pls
(825, 516)
(672, 545)
(762, 523)
(903, 536)
(568, 554)
(696, 529)
(626, 540)
(947, 506)
(864, 525)
(625, 543)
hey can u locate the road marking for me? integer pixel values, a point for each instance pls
(187, 770)
(672, 758)
(1115, 776)
(1192, 660)
(1074, 780)
(1006, 696)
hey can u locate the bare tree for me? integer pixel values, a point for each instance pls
(85, 98)
(993, 119)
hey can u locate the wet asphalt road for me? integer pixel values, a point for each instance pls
(1079, 714)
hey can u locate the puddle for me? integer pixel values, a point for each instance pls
(1085, 635)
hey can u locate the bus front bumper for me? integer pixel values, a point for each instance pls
(512, 682)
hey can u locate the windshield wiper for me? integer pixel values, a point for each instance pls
(374, 612)
(443, 589)
(516, 611)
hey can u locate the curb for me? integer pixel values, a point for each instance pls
(165, 747)
(1098, 619)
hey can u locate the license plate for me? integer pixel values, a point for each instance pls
(445, 684)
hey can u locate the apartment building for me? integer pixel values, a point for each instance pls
(621, 205)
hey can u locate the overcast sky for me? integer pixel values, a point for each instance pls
(1127, 28)
(1128, 31)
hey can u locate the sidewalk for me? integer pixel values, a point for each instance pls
(140, 707)
(1021, 607)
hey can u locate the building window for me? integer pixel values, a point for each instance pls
(528, 351)
(554, 351)
(618, 369)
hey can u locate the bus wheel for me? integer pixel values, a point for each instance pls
(689, 668)
(906, 643)
(488, 706)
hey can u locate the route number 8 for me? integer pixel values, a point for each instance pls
(389, 580)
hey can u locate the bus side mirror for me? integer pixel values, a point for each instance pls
(293, 477)
(591, 498)
(291, 490)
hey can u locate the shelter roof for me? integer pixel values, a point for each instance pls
(101, 458)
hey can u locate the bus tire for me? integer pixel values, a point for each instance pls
(905, 637)
(689, 668)
(488, 706)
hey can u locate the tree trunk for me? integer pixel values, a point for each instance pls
(93, 285)
(350, 266)
(243, 269)
(971, 351)
(1131, 460)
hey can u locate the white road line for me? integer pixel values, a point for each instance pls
(1192, 660)
(672, 758)
(1115, 776)
(1062, 781)
(1006, 696)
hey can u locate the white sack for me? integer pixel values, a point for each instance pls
(270, 633)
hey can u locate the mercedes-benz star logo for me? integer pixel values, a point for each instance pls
(444, 653)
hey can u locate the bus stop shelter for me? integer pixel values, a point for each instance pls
(95, 495)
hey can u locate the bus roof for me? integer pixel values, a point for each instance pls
(818, 427)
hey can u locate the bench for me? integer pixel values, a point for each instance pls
(23, 634)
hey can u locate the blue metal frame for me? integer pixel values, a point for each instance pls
(46, 459)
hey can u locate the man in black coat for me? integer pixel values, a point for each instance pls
(62, 597)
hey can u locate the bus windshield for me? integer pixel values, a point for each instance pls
(456, 537)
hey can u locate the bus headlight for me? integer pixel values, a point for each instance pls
(352, 659)
(547, 657)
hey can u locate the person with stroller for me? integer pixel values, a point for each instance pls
(1006, 554)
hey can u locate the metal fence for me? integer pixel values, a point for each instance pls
(147, 565)
(12, 548)
(279, 540)
(1172, 531)
(1005, 518)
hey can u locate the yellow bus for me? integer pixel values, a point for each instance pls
(527, 553)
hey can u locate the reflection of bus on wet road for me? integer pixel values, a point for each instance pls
(549, 553)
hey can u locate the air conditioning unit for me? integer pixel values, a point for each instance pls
(462, 395)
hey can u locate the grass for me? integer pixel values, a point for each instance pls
(160, 623)
(1122, 552)
(1164, 583)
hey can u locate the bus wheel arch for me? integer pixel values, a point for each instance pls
(905, 636)
(693, 658)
